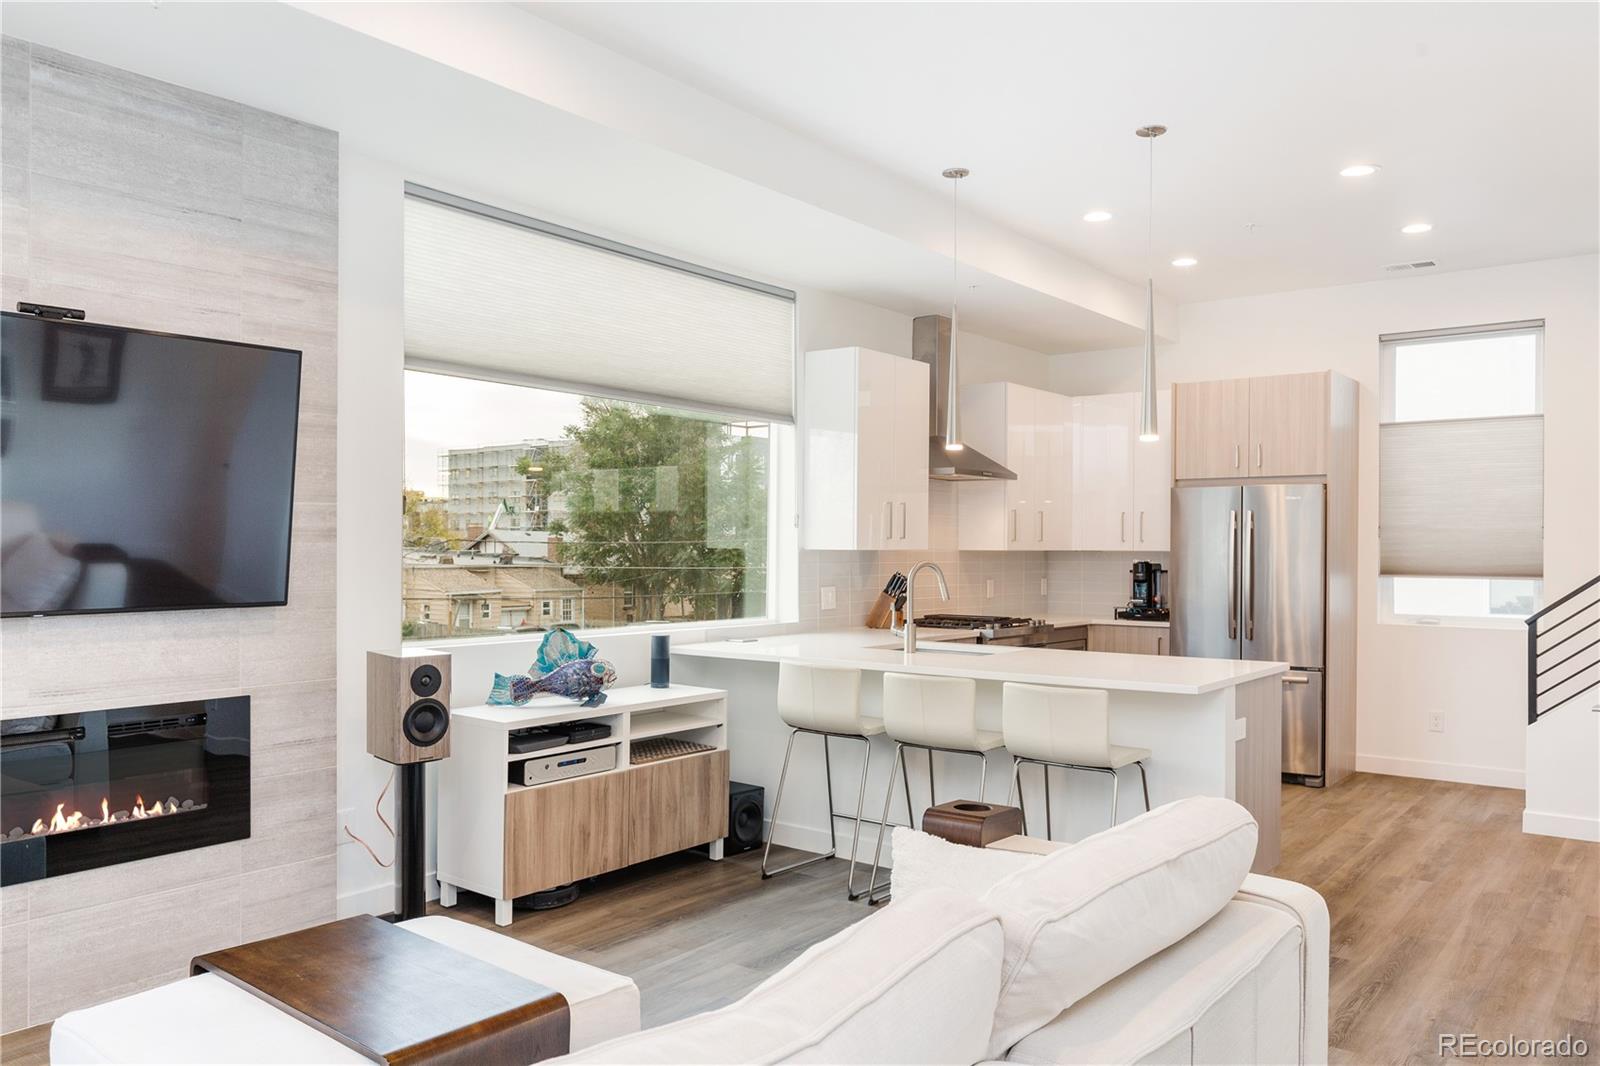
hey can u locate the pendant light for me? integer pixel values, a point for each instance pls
(952, 405)
(1148, 430)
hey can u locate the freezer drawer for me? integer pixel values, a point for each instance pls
(1302, 726)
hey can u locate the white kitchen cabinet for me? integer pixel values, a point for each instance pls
(864, 420)
(1030, 432)
(1121, 486)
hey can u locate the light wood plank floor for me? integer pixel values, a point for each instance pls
(1446, 918)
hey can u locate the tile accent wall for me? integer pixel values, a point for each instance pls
(153, 206)
(1093, 584)
(858, 577)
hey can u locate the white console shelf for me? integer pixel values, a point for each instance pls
(505, 840)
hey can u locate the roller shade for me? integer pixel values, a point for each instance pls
(496, 295)
(1462, 498)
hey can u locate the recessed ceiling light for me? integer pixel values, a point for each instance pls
(1097, 216)
(1417, 227)
(1185, 261)
(1360, 170)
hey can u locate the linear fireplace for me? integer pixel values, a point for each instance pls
(97, 788)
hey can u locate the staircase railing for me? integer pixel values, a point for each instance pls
(1552, 651)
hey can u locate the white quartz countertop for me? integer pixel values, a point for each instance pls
(878, 649)
(1086, 620)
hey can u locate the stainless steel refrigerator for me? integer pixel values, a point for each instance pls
(1249, 581)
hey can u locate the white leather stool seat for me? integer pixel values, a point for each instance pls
(1120, 755)
(204, 1019)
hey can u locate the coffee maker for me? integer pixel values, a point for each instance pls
(1146, 603)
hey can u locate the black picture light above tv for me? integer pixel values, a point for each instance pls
(142, 471)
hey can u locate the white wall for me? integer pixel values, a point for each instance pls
(1475, 676)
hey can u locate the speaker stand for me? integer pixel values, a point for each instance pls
(410, 839)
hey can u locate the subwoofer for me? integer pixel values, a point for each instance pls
(745, 813)
(408, 707)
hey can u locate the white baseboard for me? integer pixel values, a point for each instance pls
(376, 898)
(1463, 773)
(1570, 826)
(808, 838)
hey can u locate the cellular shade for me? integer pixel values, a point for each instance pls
(492, 294)
(1462, 498)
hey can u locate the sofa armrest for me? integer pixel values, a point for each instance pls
(1307, 907)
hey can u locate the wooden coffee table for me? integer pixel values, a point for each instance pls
(397, 997)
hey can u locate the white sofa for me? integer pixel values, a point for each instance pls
(1147, 943)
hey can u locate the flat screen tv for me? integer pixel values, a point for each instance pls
(142, 471)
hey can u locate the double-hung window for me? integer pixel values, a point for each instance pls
(632, 397)
(1461, 475)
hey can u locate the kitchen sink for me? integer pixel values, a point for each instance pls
(941, 646)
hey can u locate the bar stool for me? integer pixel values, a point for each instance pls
(1065, 727)
(825, 702)
(935, 714)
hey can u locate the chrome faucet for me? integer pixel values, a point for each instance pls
(909, 630)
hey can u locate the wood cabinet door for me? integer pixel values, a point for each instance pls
(1288, 425)
(676, 804)
(560, 832)
(1103, 471)
(1152, 481)
(1129, 640)
(1210, 423)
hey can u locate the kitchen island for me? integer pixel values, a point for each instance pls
(1212, 726)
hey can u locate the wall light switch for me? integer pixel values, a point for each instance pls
(988, 588)
(830, 597)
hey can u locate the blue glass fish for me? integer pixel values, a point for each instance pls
(511, 690)
(558, 648)
(584, 680)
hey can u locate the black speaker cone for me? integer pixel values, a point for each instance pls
(744, 825)
(425, 722)
(425, 680)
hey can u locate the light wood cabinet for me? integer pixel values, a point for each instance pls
(504, 839)
(1288, 425)
(1210, 428)
(865, 427)
(676, 804)
(1252, 427)
(1121, 486)
(1130, 640)
(1030, 432)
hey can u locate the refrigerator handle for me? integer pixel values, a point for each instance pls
(1249, 575)
(1233, 575)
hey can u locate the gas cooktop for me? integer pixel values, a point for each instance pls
(972, 621)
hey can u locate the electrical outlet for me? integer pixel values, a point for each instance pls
(1044, 586)
(988, 588)
(1436, 721)
(830, 597)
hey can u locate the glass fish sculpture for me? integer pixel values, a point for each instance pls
(559, 647)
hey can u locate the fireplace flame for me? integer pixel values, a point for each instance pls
(62, 822)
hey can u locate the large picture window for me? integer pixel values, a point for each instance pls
(588, 429)
(1461, 475)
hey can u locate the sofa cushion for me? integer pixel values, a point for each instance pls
(915, 982)
(923, 861)
(1078, 918)
(1228, 992)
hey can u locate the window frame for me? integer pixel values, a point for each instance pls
(1388, 344)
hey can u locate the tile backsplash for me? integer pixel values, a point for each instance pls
(1074, 583)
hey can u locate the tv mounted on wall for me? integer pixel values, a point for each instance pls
(142, 471)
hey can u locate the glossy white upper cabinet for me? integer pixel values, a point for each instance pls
(864, 421)
(1030, 432)
(1121, 486)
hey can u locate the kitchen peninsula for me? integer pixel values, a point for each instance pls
(1212, 726)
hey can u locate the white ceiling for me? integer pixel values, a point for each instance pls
(1483, 116)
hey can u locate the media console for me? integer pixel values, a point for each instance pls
(505, 840)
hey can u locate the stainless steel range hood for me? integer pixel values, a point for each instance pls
(930, 343)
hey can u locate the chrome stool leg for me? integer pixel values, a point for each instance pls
(1145, 781)
(1015, 790)
(1115, 780)
(777, 802)
(983, 775)
(905, 780)
(933, 800)
(855, 841)
(1049, 827)
(896, 761)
